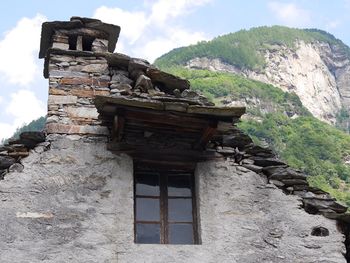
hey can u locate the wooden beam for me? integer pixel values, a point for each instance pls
(167, 118)
(162, 155)
(154, 127)
(207, 134)
(118, 128)
(168, 166)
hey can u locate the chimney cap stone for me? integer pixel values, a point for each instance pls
(48, 29)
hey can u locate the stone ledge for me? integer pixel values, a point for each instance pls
(79, 92)
(58, 99)
(75, 129)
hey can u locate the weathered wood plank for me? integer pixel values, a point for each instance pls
(168, 166)
(118, 128)
(146, 152)
(207, 134)
(168, 118)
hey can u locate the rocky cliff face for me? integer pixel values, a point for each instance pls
(319, 73)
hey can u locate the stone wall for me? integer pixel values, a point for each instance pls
(74, 203)
(73, 83)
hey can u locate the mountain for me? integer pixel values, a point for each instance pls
(253, 67)
(308, 62)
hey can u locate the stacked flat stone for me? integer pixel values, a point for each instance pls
(12, 152)
(80, 65)
(75, 80)
(232, 143)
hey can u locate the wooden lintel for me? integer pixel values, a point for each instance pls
(207, 134)
(172, 155)
(168, 166)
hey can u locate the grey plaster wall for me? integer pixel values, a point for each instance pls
(74, 203)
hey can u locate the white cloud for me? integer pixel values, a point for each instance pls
(23, 107)
(6, 130)
(19, 51)
(163, 10)
(333, 24)
(173, 38)
(153, 32)
(290, 14)
(132, 23)
(1, 99)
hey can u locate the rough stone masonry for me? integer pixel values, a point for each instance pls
(71, 200)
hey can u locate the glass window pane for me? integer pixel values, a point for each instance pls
(148, 233)
(147, 209)
(147, 184)
(180, 234)
(179, 185)
(180, 210)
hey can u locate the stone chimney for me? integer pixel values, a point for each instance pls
(76, 66)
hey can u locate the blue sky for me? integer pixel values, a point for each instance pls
(149, 29)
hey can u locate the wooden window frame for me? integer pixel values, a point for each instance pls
(163, 199)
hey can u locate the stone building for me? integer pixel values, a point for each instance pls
(134, 166)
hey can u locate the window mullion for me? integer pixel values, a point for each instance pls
(164, 209)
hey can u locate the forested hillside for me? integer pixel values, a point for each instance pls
(241, 48)
(311, 63)
(278, 119)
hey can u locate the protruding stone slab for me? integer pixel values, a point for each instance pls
(316, 205)
(118, 60)
(287, 174)
(6, 162)
(170, 81)
(217, 111)
(260, 151)
(31, 138)
(79, 92)
(68, 73)
(76, 129)
(269, 170)
(267, 161)
(236, 139)
(143, 83)
(138, 64)
(82, 112)
(134, 102)
(57, 99)
(100, 82)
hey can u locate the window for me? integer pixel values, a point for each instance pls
(165, 208)
(83, 43)
(87, 43)
(72, 40)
